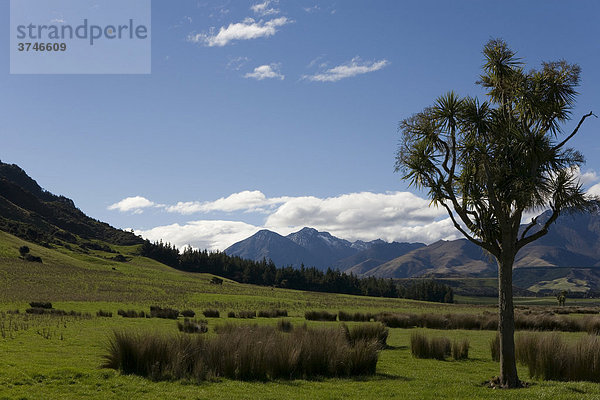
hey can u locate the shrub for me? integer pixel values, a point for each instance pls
(193, 326)
(188, 313)
(40, 304)
(131, 314)
(243, 353)
(210, 313)
(374, 331)
(165, 313)
(319, 316)
(107, 314)
(272, 313)
(422, 347)
(358, 317)
(495, 348)
(460, 349)
(284, 325)
(31, 258)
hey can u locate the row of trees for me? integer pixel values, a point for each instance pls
(266, 273)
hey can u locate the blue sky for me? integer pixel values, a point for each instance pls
(277, 114)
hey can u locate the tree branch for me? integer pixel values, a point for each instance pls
(561, 144)
(526, 240)
(531, 225)
(466, 235)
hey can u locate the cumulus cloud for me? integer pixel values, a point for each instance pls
(134, 204)
(264, 8)
(270, 71)
(366, 216)
(247, 201)
(350, 69)
(245, 30)
(400, 216)
(202, 234)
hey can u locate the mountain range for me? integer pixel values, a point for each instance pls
(569, 255)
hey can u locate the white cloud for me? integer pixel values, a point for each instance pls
(400, 216)
(247, 201)
(236, 63)
(265, 71)
(312, 9)
(245, 30)
(134, 204)
(594, 190)
(588, 177)
(353, 68)
(366, 216)
(202, 234)
(264, 9)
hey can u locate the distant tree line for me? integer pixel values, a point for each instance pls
(427, 290)
(266, 273)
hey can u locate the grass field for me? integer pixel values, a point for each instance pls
(59, 357)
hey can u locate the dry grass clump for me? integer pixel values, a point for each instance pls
(320, 316)
(549, 357)
(166, 313)
(460, 349)
(193, 326)
(423, 347)
(373, 331)
(132, 314)
(243, 353)
(284, 325)
(105, 314)
(274, 313)
(210, 313)
(495, 348)
(357, 316)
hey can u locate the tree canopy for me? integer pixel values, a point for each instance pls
(489, 162)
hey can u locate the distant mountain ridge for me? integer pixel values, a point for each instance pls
(571, 247)
(313, 248)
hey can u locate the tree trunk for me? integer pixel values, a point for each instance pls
(506, 321)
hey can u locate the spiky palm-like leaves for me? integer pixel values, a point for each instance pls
(489, 162)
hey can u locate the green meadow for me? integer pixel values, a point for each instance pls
(59, 357)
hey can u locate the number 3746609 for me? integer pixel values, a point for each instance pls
(35, 46)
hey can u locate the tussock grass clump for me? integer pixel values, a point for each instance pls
(495, 348)
(423, 347)
(320, 316)
(246, 314)
(106, 314)
(193, 326)
(188, 314)
(231, 314)
(460, 349)
(165, 313)
(242, 352)
(284, 325)
(57, 313)
(210, 313)
(357, 316)
(373, 331)
(131, 314)
(40, 304)
(548, 357)
(397, 320)
(274, 313)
